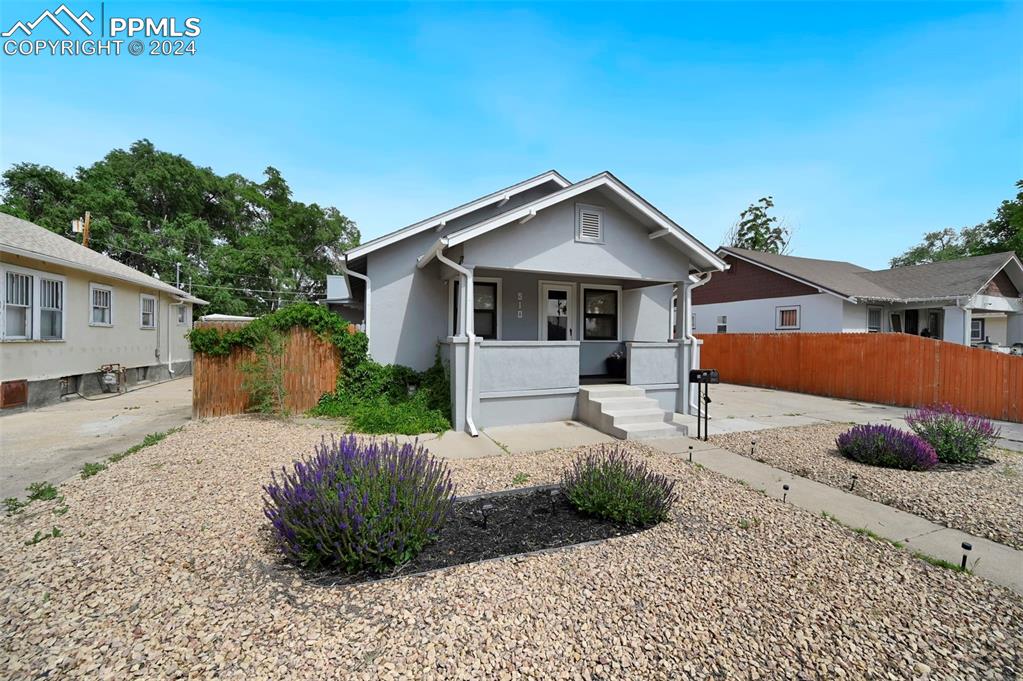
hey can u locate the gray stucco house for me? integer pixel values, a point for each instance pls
(527, 292)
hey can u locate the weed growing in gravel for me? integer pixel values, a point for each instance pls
(148, 441)
(939, 562)
(91, 469)
(520, 479)
(40, 536)
(61, 510)
(610, 484)
(746, 524)
(41, 491)
(359, 504)
(14, 505)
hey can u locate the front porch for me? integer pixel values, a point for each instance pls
(544, 340)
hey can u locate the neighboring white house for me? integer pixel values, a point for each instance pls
(534, 294)
(966, 301)
(66, 311)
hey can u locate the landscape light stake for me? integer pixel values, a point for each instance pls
(967, 547)
(752, 446)
(785, 493)
(690, 453)
(853, 485)
(486, 508)
(554, 497)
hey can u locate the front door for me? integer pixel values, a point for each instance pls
(557, 312)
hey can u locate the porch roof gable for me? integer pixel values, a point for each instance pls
(700, 254)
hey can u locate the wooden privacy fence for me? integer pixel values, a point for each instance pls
(889, 368)
(311, 369)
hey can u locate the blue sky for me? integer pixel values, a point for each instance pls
(868, 123)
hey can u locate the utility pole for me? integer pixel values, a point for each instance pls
(177, 275)
(82, 225)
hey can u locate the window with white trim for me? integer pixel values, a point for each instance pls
(18, 305)
(977, 329)
(147, 311)
(101, 298)
(786, 318)
(51, 309)
(182, 315)
(722, 325)
(589, 223)
(600, 314)
(874, 319)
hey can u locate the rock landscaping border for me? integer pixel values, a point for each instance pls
(984, 498)
(160, 572)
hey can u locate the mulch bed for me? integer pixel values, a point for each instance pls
(490, 526)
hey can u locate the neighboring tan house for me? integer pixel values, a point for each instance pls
(966, 301)
(569, 290)
(66, 311)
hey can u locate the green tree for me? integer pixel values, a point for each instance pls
(1003, 232)
(758, 231)
(247, 247)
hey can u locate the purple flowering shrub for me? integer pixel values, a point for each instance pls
(358, 504)
(887, 446)
(957, 437)
(610, 484)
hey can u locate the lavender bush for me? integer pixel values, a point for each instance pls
(610, 484)
(358, 504)
(957, 437)
(887, 446)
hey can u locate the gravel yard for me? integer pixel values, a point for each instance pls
(985, 501)
(162, 572)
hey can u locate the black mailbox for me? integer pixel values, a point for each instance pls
(709, 376)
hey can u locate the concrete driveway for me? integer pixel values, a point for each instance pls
(52, 443)
(737, 408)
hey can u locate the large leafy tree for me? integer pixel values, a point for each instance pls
(1003, 232)
(757, 230)
(247, 247)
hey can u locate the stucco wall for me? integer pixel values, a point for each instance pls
(819, 312)
(547, 244)
(86, 347)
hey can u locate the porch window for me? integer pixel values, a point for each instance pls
(896, 321)
(977, 330)
(873, 319)
(787, 318)
(600, 314)
(484, 312)
(486, 308)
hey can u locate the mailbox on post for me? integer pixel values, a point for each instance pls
(703, 378)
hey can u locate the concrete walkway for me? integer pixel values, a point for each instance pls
(996, 562)
(51, 443)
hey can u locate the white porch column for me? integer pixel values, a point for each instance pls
(688, 350)
(1013, 328)
(957, 325)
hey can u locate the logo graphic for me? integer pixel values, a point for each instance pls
(27, 28)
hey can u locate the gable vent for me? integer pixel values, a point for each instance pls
(589, 223)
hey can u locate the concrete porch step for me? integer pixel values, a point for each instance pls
(626, 413)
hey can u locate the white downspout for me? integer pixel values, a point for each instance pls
(470, 331)
(363, 277)
(687, 327)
